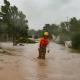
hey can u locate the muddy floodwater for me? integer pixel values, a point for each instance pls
(20, 63)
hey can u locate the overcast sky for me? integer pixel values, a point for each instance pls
(40, 12)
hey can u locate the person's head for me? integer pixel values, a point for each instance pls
(46, 34)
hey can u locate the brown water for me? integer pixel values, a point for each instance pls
(21, 63)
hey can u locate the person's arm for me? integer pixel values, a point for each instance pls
(48, 50)
(40, 43)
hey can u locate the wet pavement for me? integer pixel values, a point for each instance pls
(20, 63)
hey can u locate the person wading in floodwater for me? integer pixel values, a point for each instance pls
(42, 45)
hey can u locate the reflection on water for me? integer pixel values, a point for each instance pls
(41, 69)
(42, 63)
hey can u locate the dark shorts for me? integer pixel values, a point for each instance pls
(42, 50)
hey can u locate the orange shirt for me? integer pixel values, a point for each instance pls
(44, 42)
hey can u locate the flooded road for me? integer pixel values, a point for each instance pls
(20, 63)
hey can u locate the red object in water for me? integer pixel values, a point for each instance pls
(44, 42)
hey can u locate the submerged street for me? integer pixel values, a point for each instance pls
(21, 63)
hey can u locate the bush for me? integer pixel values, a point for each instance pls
(30, 41)
(76, 41)
(24, 40)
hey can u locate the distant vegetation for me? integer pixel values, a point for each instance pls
(13, 23)
(14, 27)
(65, 31)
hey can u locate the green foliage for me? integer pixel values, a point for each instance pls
(74, 25)
(15, 21)
(52, 29)
(68, 30)
(64, 32)
(30, 41)
(31, 33)
(25, 40)
(75, 32)
(76, 41)
(13, 26)
(35, 33)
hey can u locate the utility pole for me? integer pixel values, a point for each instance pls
(67, 23)
(67, 19)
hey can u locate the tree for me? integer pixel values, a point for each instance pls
(76, 41)
(31, 32)
(75, 32)
(64, 32)
(53, 29)
(74, 26)
(15, 20)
